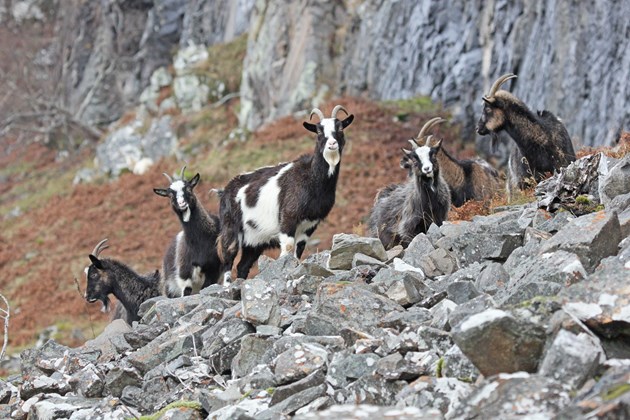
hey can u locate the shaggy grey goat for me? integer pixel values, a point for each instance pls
(106, 276)
(402, 211)
(191, 261)
(282, 205)
(542, 141)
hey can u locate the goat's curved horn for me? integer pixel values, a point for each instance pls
(317, 112)
(337, 109)
(181, 174)
(168, 177)
(428, 143)
(100, 247)
(428, 125)
(497, 84)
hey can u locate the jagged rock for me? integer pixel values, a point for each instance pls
(474, 306)
(346, 367)
(400, 265)
(338, 306)
(441, 394)
(120, 377)
(598, 237)
(435, 339)
(222, 342)
(170, 311)
(357, 412)
(361, 259)
(254, 351)
(417, 249)
(539, 275)
(512, 395)
(496, 341)
(278, 272)
(293, 403)
(572, 359)
(171, 344)
(283, 392)
(462, 291)
(405, 288)
(408, 367)
(616, 182)
(260, 303)
(143, 334)
(455, 364)
(412, 318)
(440, 314)
(345, 246)
(56, 407)
(44, 384)
(492, 279)
(299, 362)
(111, 341)
(88, 382)
(370, 389)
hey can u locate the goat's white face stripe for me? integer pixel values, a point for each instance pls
(265, 214)
(331, 149)
(423, 154)
(178, 187)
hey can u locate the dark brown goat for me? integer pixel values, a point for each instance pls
(542, 142)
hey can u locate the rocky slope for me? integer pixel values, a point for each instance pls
(520, 313)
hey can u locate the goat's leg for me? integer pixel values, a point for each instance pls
(299, 249)
(249, 256)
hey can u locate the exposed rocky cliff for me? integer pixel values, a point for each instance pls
(520, 314)
(571, 57)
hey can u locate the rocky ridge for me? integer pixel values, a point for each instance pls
(520, 313)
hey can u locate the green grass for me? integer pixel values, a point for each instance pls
(416, 105)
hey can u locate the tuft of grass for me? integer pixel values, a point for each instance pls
(406, 107)
(439, 367)
(195, 405)
(615, 391)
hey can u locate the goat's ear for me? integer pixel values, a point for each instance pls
(194, 181)
(437, 145)
(97, 263)
(161, 191)
(405, 161)
(310, 127)
(347, 121)
(489, 101)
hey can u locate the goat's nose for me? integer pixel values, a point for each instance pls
(427, 169)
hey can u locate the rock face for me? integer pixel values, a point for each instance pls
(451, 51)
(386, 338)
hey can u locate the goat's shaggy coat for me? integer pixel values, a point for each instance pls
(542, 141)
(191, 261)
(282, 205)
(402, 211)
(107, 276)
(469, 179)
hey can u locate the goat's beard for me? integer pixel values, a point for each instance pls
(105, 301)
(494, 140)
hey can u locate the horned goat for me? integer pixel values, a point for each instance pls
(191, 261)
(468, 179)
(542, 141)
(282, 205)
(107, 276)
(402, 211)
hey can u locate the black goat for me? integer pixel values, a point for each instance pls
(542, 141)
(107, 276)
(191, 261)
(282, 205)
(468, 179)
(402, 211)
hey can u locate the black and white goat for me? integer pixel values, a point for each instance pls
(468, 179)
(402, 211)
(282, 205)
(191, 261)
(542, 141)
(106, 276)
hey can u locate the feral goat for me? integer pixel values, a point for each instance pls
(191, 261)
(107, 276)
(542, 142)
(468, 179)
(282, 205)
(402, 211)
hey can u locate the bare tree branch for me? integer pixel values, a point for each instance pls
(5, 314)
